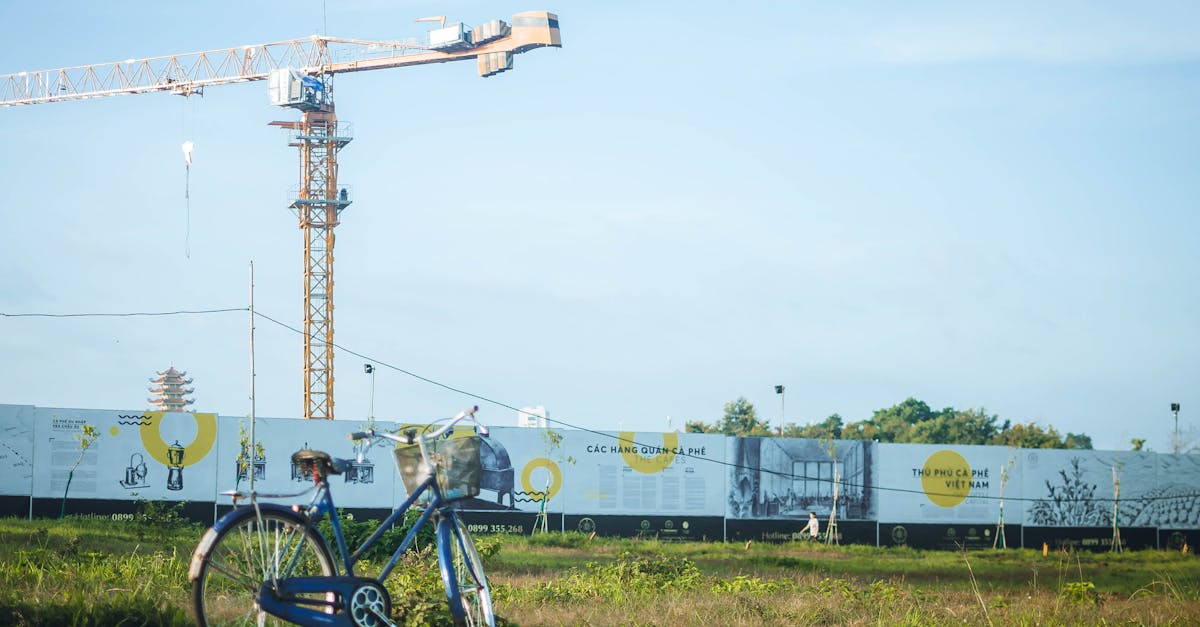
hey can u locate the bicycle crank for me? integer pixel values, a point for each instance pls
(370, 605)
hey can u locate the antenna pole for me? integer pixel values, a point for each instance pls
(250, 468)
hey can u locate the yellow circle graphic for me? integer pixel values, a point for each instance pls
(648, 465)
(946, 478)
(555, 478)
(113, 431)
(206, 436)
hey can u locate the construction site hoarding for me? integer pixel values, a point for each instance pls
(670, 486)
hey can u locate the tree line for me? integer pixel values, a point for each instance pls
(911, 421)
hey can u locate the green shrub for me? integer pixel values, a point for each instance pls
(744, 584)
(836, 587)
(629, 576)
(1080, 592)
(159, 520)
(560, 539)
(415, 587)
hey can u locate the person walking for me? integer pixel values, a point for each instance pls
(814, 527)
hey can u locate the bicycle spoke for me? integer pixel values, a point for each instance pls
(242, 580)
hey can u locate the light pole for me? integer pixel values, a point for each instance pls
(779, 389)
(1175, 445)
(369, 369)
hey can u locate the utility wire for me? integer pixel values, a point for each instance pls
(122, 315)
(390, 366)
(780, 474)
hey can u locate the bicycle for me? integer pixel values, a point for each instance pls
(267, 563)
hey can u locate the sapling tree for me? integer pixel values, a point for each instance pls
(86, 437)
(999, 541)
(553, 443)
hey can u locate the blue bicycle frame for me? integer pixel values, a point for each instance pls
(298, 598)
(268, 559)
(281, 597)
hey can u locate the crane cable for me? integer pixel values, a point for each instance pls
(187, 198)
(188, 146)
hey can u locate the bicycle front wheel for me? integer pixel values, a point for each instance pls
(462, 574)
(230, 565)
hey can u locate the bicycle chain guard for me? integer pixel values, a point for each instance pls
(348, 601)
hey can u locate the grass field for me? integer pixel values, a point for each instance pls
(90, 572)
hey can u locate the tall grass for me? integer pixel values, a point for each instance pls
(801, 583)
(82, 572)
(87, 572)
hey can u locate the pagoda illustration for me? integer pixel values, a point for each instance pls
(169, 389)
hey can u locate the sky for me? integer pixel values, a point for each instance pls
(983, 205)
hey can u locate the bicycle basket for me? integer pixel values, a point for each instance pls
(456, 461)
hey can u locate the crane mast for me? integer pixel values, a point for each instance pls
(318, 206)
(300, 74)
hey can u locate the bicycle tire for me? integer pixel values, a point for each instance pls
(467, 589)
(230, 565)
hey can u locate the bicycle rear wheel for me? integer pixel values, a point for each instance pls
(230, 565)
(462, 574)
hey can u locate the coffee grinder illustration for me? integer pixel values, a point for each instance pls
(135, 473)
(175, 467)
(360, 471)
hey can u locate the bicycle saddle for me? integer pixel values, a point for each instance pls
(310, 460)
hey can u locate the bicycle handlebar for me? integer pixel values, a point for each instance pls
(411, 437)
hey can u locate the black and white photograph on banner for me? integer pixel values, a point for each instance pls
(791, 478)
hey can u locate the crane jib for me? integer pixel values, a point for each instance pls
(190, 73)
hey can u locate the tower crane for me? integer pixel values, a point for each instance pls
(300, 75)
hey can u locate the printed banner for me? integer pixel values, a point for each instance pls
(650, 474)
(1073, 488)
(1175, 501)
(582, 472)
(369, 482)
(521, 468)
(933, 483)
(136, 455)
(788, 478)
(16, 450)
